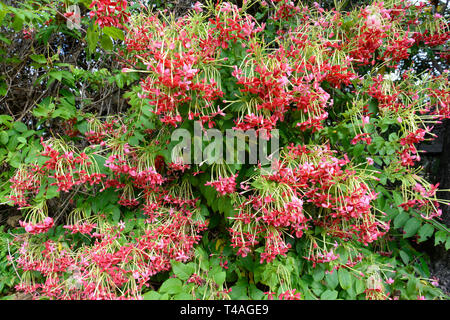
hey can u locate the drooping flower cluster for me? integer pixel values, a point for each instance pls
(306, 175)
(110, 13)
(224, 185)
(102, 268)
(63, 169)
(182, 69)
(38, 227)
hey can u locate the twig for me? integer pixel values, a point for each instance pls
(12, 262)
(66, 204)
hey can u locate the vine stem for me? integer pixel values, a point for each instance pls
(12, 262)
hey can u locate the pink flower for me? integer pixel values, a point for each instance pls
(237, 73)
(390, 281)
(434, 282)
(373, 21)
(224, 185)
(198, 7)
(365, 120)
(369, 160)
(362, 137)
(283, 81)
(270, 295)
(226, 7)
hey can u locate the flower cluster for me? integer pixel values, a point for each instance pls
(109, 13)
(108, 265)
(312, 175)
(42, 227)
(225, 185)
(287, 295)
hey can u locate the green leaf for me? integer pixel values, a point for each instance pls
(393, 137)
(51, 192)
(181, 270)
(115, 212)
(106, 42)
(6, 120)
(373, 106)
(3, 87)
(411, 227)
(439, 237)
(222, 204)
(171, 286)
(219, 277)
(204, 210)
(345, 279)
(329, 295)
(411, 287)
(317, 288)
(183, 296)
(133, 141)
(398, 199)
(4, 137)
(424, 268)
(425, 232)
(45, 33)
(165, 296)
(404, 256)
(4, 39)
(42, 111)
(119, 80)
(22, 140)
(239, 290)
(332, 280)
(17, 23)
(255, 293)
(151, 295)
(65, 111)
(56, 74)
(318, 274)
(359, 286)
(114, 33)
(401, 219)
(15, 159)
(39, 58)
(358, 149)
(20, 127)
(92, 36)
(82, 126)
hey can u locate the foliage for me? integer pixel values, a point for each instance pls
(7, 272)
(110, 213)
